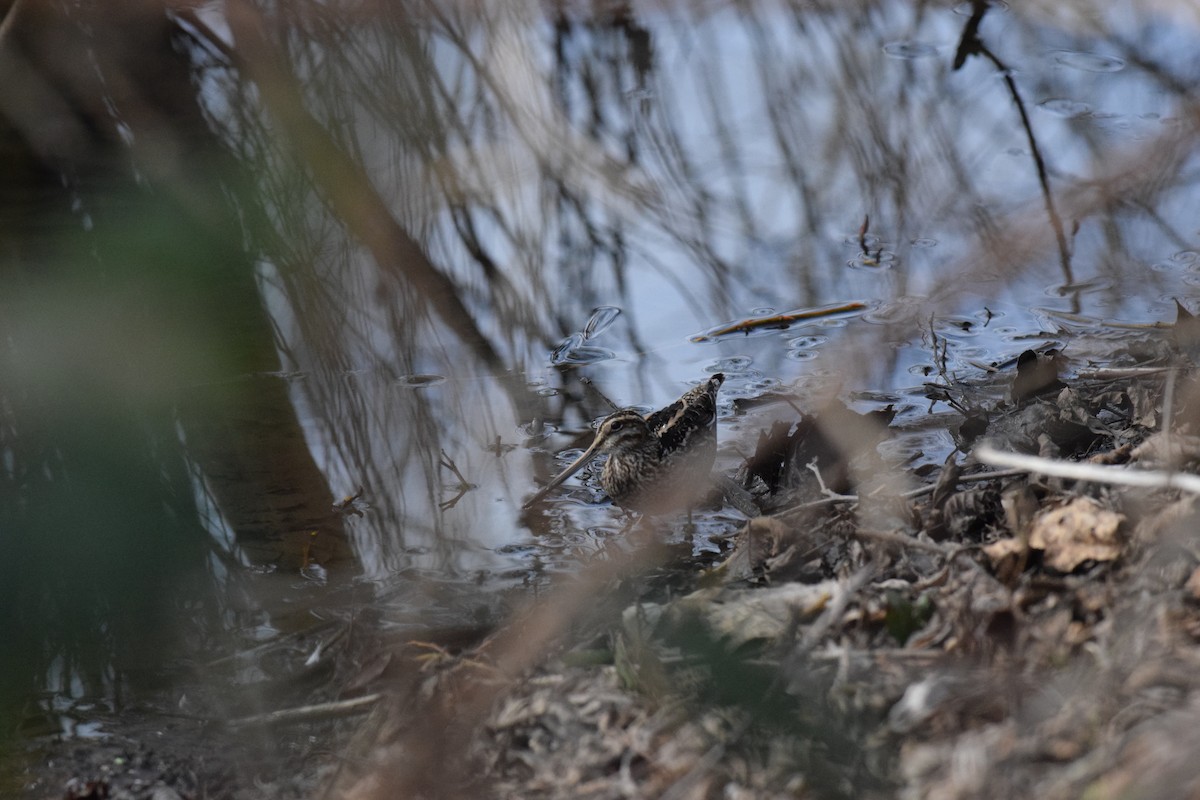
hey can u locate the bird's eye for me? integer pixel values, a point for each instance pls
(616, 426)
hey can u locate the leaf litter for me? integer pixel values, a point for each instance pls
(979, 633)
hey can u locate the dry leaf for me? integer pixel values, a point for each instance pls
(1001, 549)
(757, 543)
(1008, 557)
(745, 615)
(1080, 531)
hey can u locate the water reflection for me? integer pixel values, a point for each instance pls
(378, 248)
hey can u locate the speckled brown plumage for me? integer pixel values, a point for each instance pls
(658, 462)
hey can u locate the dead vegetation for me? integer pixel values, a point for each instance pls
(989, 634)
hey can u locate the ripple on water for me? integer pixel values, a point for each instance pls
(805, 348)
(807, 341)
(588, 355)
(765, 385)
(881, 398)
(922, 370)
(537, 429)
(1088, 62)
(747, 383)
(957, 326)
(730, 365)
(420, 381)
(601, 319)
(964, 354)
(910, 50)
(1064, 107)
(876, 259)
(565, 348)
(518, 549)
(898, 311)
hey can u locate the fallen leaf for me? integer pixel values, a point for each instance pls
(1008, 557)
(759, 541)
(744, 615)
(1082, 530)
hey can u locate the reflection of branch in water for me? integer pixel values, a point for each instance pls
(588, 384)
(463, 486)
(345, 184)
(531, 155)
(970, 44)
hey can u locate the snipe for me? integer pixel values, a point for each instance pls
(658, 462)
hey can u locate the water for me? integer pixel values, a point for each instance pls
(586, 195)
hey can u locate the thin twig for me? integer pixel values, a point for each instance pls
(834, 499)
(899, 539)
(1118, 373)
(833, 612)
(1168, 403)
(340, 708)
(978, 477)
(1095, 473)
(462, 488)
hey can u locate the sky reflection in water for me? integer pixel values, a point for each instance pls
(693, 168)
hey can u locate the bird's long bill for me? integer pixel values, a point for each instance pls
(571, 469)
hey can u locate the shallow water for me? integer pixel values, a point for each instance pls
(602, 191)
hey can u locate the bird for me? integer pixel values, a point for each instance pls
(657, 462)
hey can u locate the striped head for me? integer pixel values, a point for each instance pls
(622, 435)
(623, 432)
